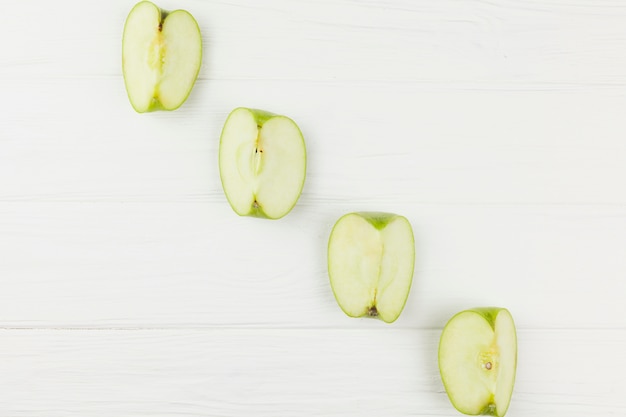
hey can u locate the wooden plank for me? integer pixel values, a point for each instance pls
(515, 43)
(198, 264)
(230, 372)
(378, 143)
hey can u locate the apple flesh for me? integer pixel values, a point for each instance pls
(371, 257)
(478, 360)
(262, 163)
(161, 57)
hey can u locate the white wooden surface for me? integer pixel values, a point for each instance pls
(129, 288)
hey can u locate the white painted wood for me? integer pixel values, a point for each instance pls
(557, 44)
(128, 286)
(269, 372)
(386, 142)
(197, 264)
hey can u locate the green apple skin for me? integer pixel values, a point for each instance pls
(155, 104)
(490, 354)
(261, 117)
(369, 307)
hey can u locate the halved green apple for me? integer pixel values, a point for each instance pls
(478, 360)
(161, 57)
(371, 257)
(262, 163)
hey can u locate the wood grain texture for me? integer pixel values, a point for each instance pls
(198, 264)
(381, 142)
(285, 372)
(129, 287)
(563, 43)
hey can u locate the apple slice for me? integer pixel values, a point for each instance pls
(262, 162)
(161, 57)
(478, 360)
(370, 264)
